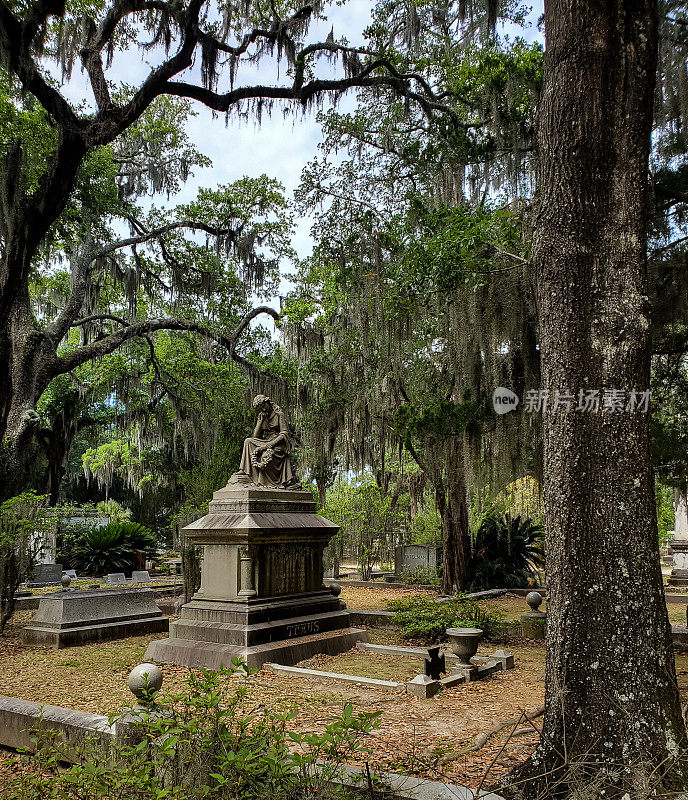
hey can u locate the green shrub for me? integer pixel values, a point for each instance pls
(115, 547)
(114, 510)
(23, 528)
(421, 576)
(424, 618)
(505, 554)
(213, 741)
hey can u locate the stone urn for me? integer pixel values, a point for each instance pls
(464, 643)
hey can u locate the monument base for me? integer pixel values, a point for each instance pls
(215, 655)
(75, 617)
(210, 632)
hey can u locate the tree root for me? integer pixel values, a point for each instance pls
(482, 738)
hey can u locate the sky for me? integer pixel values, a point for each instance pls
(279, 147)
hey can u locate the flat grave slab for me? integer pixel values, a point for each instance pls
(73, 617)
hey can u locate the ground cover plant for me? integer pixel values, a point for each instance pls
(208, 740)
(426, 619)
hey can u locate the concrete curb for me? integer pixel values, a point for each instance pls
(18, 717)
(278, 669)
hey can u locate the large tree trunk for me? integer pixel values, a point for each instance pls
(611, 696)
(31, 353)
(453, 507)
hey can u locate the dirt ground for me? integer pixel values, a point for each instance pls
(417, 737)
(374, 598)
(413, 734)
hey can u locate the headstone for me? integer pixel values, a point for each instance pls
(434, 664)
(68, 619)
(679, 572)
(409, 557)
(140, 576)
(45, 574)
(115, 578)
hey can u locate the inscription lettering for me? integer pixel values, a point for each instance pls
(302, 629)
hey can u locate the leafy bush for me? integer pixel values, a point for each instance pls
(114, 510)
(115, 547)
(505, 553)
(424, 618)
(23, 525)
(212, 741)
(422, 576)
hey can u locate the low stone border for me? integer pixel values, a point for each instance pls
(279, 669)
(401, 651)
(378, 584)
(372, 619)
(404, 787)
(421, 686)
(676, 599)
(18, 717)
(679, 635)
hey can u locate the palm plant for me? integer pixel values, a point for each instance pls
(506, 552)
(115, 547)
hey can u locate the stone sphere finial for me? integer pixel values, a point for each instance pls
(336, 588)
(66, 580)
(534, 599)
(144, 680)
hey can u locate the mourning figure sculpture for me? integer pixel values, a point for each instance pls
(266, 458)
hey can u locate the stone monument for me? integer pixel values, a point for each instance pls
(679, 545)
(534, 622)
(410, 557)
(262, 596)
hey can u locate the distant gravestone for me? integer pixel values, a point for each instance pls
(45, 574)
(409, 557)
(115, 578)
(140, 576)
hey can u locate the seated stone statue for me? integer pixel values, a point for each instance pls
(266, 459)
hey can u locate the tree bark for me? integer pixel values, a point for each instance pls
(453, 507)
(612, 706)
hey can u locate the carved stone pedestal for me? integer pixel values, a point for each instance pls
(679, 574)
(262, 596)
